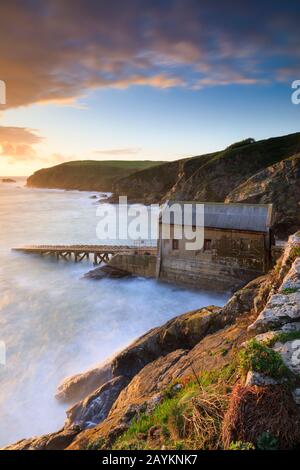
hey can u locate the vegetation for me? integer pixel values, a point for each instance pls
(260, 358)
(295, 252)
(289, 290)
(267, 442)
(240, 445)
(283, 337)
(190, 415)
(88, 175)
(268, 417)
(242, 143)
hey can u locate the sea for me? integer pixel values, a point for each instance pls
(54, 323)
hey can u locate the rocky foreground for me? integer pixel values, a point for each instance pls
(212, 378)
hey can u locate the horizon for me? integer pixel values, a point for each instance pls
(141, 159)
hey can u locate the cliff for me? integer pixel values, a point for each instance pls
(224, 176)
(213, 378)
(247, 171)
(88, 175)
(277, 184)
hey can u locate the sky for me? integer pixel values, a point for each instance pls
(143, 79)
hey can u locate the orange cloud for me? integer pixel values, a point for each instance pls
(17, 143)
(79, 46)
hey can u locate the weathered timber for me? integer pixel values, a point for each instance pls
(100, 253)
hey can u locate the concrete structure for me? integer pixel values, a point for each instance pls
(137, 264)
(237, 245)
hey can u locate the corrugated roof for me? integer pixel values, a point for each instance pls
(250, 217)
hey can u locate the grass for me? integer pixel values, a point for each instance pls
(289, 290)
(283, 338)
(295, 252)
(261, 358)
(188, 417)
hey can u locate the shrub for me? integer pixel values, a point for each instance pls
(284, 337)
(203, 421)
(240, 445)
(256, 410)
(241, 143)
(267, 442)
(289, 290)
(260, 358)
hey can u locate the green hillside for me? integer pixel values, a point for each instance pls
(86, 175)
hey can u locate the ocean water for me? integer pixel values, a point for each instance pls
(52, 322)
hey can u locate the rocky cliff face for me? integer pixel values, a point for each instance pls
(135, 380)
(254, 172)
(278, 184)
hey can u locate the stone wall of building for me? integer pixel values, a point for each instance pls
(138, 265)
(233, 259)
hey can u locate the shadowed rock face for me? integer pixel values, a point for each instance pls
(255, 172)
(79, 386)
(96, 406)
(278, 184)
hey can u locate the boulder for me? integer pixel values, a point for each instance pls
(251, 297)
(261, 380)
(106, 271)
(79, 386)
(55, 441)
(186, 330)
(290, 353)
(95, 408)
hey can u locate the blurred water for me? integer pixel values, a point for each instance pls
(52, 321)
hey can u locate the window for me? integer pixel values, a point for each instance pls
(175, 244)
(207, 244)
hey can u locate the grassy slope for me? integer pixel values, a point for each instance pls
(209, 177)
(88, 175)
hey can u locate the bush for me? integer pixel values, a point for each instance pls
(240, 445)
(241, 143)
(267, 442)
(254, 411)
(260, 358)
(284, 337)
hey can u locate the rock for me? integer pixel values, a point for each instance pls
(296, 395)
(251, 297)
(93, 197)
(290, 353)
(277, 184)
(54, 441)
(255, 378)
(95, 408)
(8, 180)
(266, 337)
(186, 330)
(79, 386)
(288, 327)
(283, 307)
(280, 309)
(292, 279)
(145, 390)
(106, 271)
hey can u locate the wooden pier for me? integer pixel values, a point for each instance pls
(99, 253)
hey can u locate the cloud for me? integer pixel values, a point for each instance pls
(17, 143)
(118, 151)
(83, 45)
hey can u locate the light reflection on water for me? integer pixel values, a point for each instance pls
(53, 322)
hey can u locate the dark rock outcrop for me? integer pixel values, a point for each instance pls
(106, 271)
(79, 386)
(278, 184)
(95, 408)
